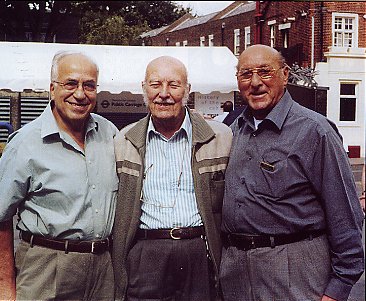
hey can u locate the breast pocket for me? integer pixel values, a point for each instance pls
(271, 179)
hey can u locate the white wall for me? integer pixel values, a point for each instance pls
(345, 65)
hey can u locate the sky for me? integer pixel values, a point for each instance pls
(205, 7)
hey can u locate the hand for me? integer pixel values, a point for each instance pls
(326, 298)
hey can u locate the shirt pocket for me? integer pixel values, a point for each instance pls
(271, 180)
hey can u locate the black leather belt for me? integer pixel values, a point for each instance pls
(174, 233)
(94, 247)
(246, 242)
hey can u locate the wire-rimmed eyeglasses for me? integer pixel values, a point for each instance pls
(72, 85)
(263, 72)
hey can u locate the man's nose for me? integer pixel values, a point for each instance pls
(256, 79)
(165, 91)
(79, 92)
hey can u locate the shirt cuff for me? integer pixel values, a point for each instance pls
(338, 290)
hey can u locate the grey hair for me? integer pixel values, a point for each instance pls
(62, 54)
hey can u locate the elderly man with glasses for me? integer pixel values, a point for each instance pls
(292, 221)
(59, 174)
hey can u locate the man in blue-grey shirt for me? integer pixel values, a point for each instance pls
(59, 173)
(291, 216)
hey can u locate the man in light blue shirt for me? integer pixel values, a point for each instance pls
(58, 172)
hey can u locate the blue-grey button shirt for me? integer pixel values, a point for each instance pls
(61, 191)
(291, 175)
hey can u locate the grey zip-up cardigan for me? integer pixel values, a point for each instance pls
(210, 154)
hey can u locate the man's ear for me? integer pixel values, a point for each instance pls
(286, 73)
(52, 90)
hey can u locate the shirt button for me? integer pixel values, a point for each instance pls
(93, 186)
(98, 236)
(254, 134)
(89, 161)
(96, 211)
(249, 158)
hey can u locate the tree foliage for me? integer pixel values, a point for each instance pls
(98, 22)
(32, 20)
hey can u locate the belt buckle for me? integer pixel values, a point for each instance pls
(92, 247)
(171, 233)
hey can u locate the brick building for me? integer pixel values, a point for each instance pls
(329, 37)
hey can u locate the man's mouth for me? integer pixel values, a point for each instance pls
(79, 105)
(258, 94)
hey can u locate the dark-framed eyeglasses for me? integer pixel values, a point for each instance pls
(72, 85)
(263, 72)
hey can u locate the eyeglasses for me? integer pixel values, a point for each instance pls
(72, 85)
(263, 72)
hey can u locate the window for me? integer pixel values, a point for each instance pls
(210, 40)
(345, 28)
(185, 43)
(285, 38)
(272, 41)
(348, 100)
(177, 44)
(202, 41)
(272, 31)
(236, 41)
(247, 37)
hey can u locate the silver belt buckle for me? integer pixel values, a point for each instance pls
(171, 233)
(92, 247)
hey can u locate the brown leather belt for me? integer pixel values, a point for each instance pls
(94, 247)
(174, 233)
(246, 242)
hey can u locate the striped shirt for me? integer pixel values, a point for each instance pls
(168, 199)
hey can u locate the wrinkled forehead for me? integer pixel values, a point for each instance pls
(259, 57)
(166, 69)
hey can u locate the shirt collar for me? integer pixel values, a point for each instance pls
(185, 129)
(277, 115)
(50, 127)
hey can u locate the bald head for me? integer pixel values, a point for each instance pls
(167, 62)
(262, 50)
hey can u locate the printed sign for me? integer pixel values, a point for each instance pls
(124, 102)
(211, 103)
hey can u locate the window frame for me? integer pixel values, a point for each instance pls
(237, 41)
(246, 37)
(343, 31)
(356, 96)
(202, 41)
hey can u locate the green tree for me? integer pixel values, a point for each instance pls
(100, 28)
(102, 22)
(122, 22)
(35, 20)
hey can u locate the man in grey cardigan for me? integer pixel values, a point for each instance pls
(171, 166)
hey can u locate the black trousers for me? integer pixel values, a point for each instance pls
(167, 269)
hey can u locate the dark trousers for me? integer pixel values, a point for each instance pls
(167, 269)
(298, 271)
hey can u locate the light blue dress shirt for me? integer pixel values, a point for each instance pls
(168, 199)
(60, 190)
